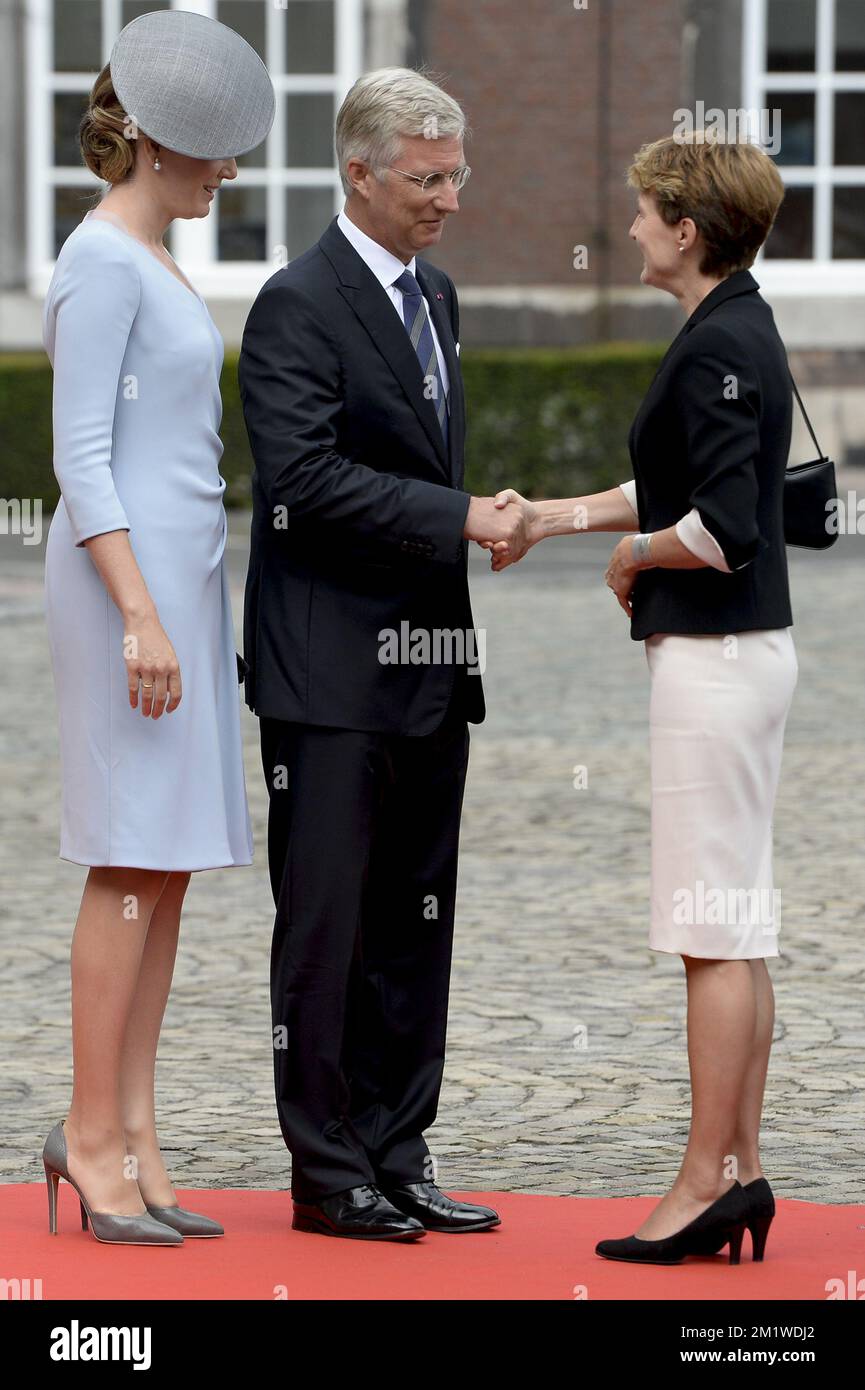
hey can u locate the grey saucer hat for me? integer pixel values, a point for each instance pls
(192, 84)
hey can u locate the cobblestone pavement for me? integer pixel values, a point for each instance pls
(552, 917)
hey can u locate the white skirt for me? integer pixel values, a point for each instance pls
(717, 713)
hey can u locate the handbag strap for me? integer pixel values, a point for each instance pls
(805, 417)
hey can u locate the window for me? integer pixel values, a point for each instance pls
(286, 190)
(806, 60)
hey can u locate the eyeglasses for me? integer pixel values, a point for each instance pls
(433, 183)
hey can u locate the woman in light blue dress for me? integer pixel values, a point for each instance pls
(136, 360)
(137, 604)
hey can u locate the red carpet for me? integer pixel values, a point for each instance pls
(542, 1250)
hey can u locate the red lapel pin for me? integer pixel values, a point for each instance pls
(439, 296)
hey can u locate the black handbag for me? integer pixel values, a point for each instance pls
(809, 489)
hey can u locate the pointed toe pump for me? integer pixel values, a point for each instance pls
(188, 1223)
(109, 1227)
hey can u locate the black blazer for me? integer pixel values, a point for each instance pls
(357, 506)
(713, 432)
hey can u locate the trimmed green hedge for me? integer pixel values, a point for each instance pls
(550, 422)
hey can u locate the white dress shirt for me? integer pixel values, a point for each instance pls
(386, 268)
(691, 532)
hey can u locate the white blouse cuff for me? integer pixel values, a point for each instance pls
(630, 490)
(693, 534)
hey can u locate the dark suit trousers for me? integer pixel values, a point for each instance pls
(363, 834)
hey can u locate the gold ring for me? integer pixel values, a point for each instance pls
(146, 687)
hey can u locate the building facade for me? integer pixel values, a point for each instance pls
(559, 95)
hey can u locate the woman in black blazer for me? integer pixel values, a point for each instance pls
(705, 585)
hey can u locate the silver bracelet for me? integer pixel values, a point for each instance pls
(641, 549)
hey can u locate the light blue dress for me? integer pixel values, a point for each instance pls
(137, 408)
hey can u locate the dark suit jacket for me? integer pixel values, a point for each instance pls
(713, 432)
(358, 508)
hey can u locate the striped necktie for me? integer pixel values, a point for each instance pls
(418, 327)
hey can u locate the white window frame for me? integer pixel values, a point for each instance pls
(822, 274)
(193, 241)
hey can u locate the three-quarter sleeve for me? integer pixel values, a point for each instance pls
(94, 305)
(718, 397)
(693, 534)
(630, 490)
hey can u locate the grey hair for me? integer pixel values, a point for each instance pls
(385, 105)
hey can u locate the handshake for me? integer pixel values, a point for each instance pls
(507, 525)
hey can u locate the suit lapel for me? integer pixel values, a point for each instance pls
(740, 282)
(456, 400)
(376, 311)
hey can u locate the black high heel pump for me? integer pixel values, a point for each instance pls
(721, 1223)
(761, 1211)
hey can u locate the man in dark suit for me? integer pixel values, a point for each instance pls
(363, 663)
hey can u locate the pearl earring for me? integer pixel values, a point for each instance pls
(156, 164)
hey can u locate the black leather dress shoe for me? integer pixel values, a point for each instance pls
(439, 1212)
(361, 1213)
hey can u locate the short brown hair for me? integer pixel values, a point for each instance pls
(103, 133)
(731, 189)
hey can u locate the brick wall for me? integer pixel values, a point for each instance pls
(559, 100)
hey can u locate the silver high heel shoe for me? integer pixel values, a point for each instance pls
(109, 1227)
(189, 1223)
